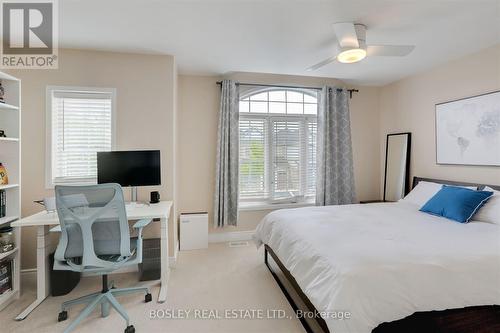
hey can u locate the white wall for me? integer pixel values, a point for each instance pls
(409, 105)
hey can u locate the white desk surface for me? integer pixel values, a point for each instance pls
(152, 211)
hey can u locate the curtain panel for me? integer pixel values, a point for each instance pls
(335, 172)
(226, 177)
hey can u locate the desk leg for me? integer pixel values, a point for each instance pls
(165, 270)
(42, 270)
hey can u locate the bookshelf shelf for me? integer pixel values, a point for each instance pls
(7, 297)
(7, 254)
(8, 106)
(8, 186)
(8, 77)
(8, 219)
(9, 139)
(10, 156)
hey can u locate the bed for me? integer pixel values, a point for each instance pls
(386, 266)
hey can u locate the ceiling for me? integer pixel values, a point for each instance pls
(282, 36)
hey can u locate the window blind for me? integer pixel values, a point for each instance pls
(81, 126)
(252, 158)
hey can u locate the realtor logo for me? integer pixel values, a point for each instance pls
(29, 34)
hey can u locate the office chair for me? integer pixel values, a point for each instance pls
(95, 239)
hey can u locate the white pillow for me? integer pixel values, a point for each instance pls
(490, 212)
(424, 191)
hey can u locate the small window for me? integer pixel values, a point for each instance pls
(80, 123)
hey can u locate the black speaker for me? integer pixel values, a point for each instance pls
(155, 197)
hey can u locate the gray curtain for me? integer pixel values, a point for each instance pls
(335, 177)
(226, 177)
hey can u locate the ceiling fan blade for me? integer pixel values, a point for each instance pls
(389, 50)
(321, 64)
(346, 35)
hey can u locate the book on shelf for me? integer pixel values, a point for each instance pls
(5, 276)
(3, 202)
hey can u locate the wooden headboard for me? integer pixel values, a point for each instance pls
(451, 182)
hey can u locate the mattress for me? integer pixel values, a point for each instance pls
(382, 262)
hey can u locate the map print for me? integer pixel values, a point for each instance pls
(468, 131)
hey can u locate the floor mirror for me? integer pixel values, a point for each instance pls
(397, 166)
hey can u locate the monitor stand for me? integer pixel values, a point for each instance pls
(133, 199)
(133, 194)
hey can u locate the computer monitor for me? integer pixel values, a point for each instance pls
(129, 168)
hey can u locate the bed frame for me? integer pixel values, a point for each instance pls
(416, 180)
(476, 319)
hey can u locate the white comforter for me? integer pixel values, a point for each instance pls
(383, 262)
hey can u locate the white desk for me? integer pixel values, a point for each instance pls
(43, 221)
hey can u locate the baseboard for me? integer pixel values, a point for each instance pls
(232, 236)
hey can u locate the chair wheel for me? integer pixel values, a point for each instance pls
(63, 315)
(148, 298)
(130, 329)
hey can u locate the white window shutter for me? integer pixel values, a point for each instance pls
(81, 127)
(286, 158)
(252, 158)
(310, 175)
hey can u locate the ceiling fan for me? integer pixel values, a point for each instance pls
(352, 46)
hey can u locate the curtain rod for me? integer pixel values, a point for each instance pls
(284, 86)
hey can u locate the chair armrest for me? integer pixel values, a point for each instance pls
(57, 228)
(142, 223)
(139, 225)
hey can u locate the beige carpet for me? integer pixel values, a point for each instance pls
(218, 279)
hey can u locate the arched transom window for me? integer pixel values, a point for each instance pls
(278, 145)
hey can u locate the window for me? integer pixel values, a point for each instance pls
(278, 145)
(80, 122)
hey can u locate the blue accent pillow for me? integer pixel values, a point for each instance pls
(456, 203)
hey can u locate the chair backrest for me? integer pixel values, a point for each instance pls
(93, 224)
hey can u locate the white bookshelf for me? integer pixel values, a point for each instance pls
(10, 157)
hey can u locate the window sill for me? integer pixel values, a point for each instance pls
(254, 206)
(82, 182)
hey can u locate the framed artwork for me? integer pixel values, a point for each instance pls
(468, 131)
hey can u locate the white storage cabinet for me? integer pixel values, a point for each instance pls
(193, 231)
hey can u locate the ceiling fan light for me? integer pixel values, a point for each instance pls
(351, 56)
